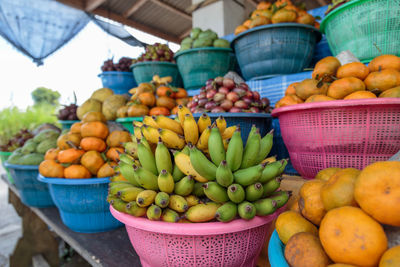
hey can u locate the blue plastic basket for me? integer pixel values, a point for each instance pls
(82, 203)
(197, 65)
(144, 71)
(66, 125)
(119, 81)
(276, 251)
(245, 120)
(275, 49)
(33, 193)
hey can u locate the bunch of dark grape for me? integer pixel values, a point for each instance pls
(108, 65)
(18, 140)
(156, 52)
(123, 64)
(68, 113)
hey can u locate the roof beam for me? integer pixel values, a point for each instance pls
(172, 9)
(133, 8)
(93, 4)
(253, 3)
(185, 33)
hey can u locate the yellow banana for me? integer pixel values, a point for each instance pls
(229, 132)
(192, 200)
(182, 111)
(202, 144)
(146, 198)
(166, 79)
(149, 120)
(202, 212)
(137, 131)
(168, 123)
(203, 122)
(221, 124)
(269, 160)
(190, 129)
(156, 79)
(150, 133)
(137, 123)
(178, 203)
(225, 142)
(183, 162)
(171, 139)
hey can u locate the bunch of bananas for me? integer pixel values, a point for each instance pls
(188, 171)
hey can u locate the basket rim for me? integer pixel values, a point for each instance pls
(64, 181)
(152, 63)
(336, 104)
(200, 49)
(193, 229)
(104, 73)
(231, 115)
(129, 119)
(5, 153)
(277, 25)
(68, 121)
(336, 10)
(21, 167)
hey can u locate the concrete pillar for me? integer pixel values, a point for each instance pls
(222, 16)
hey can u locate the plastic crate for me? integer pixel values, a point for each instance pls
(127, 122)
(341, 133)
(119, 81)
(368, 28)
(275, 49)
(197, 65)
(66, 125)
(33, 193)
(144, 71)
(82, 203)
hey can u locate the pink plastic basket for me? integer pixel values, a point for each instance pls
(342, 133)
(237, 243)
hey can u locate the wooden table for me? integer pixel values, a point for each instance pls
(111, 248)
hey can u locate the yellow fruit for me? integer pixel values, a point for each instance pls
(345, 86)
(391, 258)
(310, 202)
(290, 223)
(360, 95)
(325, 174)
(353, 69)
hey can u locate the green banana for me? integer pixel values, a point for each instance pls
(125, 158)
(201, 164)
(236, 193)
(169, 215)
(216, 146)
(165, 182)
(146, 198)
(265, 146)
(133, 208)
(113, 189)
(127, 171)
(224, 174)
(249, 175)
(153, 213)
(226, 212)
(111, 184)
(186, 150)
(118, 205)
(246, 210)
(185, 186)
(162, 199)
(234, 153)
(265, 206)
(177, 174)
(271, 186)
(178, 203)
(252, 131)
(129, 194)
(110, 197)
(146, 158)
(202, 212)
(215, 192)
(281, 197)
(273, 170)
(144, 142)
(198, 190)
(254, 192)
(131, 148)
(163, 157)
(251, 150)
(145, 178)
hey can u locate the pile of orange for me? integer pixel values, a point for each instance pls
(337, 218)
(279, 12)
(88, 150)
(333, 81)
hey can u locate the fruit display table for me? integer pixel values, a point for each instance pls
(101, 249)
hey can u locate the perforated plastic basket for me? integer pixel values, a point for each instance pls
(144, 71)
(341, 133)
(363, 25)
(127, 122)
(276, 251)
(158, 244)
(119, 81)
(82, 203)
(33, 193)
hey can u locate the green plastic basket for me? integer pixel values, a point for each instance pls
(200, 64)
(127, 122)
(4, 155)
(66, 125)
(144, 71)
(368, 28)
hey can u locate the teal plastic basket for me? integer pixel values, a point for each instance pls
(200, 64)
(66, 125)
(144, 71)
(368, 28)
(4, 155)
(127, 122)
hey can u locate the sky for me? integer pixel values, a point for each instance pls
(73, 68)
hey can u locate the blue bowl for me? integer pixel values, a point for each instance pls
(276, 251)
(82, 203)
(119, 81)
(275, 49)
(33, 193)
